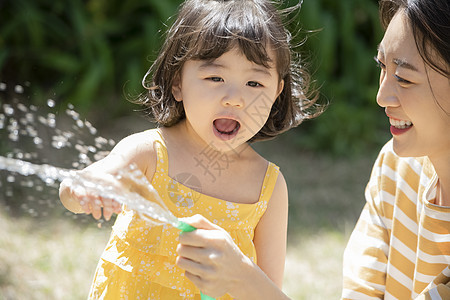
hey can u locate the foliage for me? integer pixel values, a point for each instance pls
(94, 53)
(85, 52)
(343, 42)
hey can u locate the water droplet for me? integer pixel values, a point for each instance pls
(9, 111)
(14, 136)
(73, 114)
(18, 89)
(10, 178)
(42, 120)
(31, 131)
(91, 128)
(49, 181)
(80, 148)
(22, 107)
(80, 123)
(29, 117)
(37, 140)
(51, 120)
(51, 103)
(92, 149)
(2, 86)
(2, 121)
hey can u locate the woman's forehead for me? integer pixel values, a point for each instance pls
(398, 43)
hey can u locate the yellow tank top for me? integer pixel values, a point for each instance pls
(139, 259)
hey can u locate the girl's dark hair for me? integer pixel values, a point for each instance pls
(206, 29)
(430, 22)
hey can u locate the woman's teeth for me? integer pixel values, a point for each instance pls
(400, 123)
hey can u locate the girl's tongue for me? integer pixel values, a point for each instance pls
(225, 125)
(226, 128)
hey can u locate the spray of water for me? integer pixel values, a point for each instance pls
(129, 187)
(34, 141)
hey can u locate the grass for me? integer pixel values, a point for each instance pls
(52, 259)
(55, 257)
(314, 266)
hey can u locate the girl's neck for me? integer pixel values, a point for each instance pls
(235, 177)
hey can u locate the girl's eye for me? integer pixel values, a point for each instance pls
(254, 84)
(379, 63)
(215, 79)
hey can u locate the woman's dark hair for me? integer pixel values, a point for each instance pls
(430, 22)
(206, 29)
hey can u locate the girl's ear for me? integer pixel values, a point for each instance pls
(176, 88)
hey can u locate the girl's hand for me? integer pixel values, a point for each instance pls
(76, 198)
(213, 262)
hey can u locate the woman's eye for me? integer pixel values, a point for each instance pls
(402, 80)
(379, 63)
(215, 79)
(254, 84)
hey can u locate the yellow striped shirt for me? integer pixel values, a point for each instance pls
(400, 248)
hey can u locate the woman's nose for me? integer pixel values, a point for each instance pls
(387, 96)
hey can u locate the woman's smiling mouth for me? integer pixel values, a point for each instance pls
(399, 126)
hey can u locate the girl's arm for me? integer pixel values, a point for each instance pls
(217, 266)
(271, 234)
(136, 148)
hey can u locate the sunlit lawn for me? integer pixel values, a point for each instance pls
(57, 261)
(55, 258)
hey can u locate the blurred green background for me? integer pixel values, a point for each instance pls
(94, 54)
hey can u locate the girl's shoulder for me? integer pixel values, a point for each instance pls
(137, 143)
(264, 166)
(139, 148)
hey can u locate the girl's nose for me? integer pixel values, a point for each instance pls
(233, 97)
(387, 96)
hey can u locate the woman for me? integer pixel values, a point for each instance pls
(400, 248)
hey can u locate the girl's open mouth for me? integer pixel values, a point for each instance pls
(226, 129)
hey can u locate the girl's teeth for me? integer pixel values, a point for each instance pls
(400, 123)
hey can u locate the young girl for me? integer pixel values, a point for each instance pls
(223, 78)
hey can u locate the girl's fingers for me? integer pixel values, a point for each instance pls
(107, 208)
(195, 268)
(116, 207)
(200, 222)
(192, 253)
(107, 213)
(84, 202)
(96, 209)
